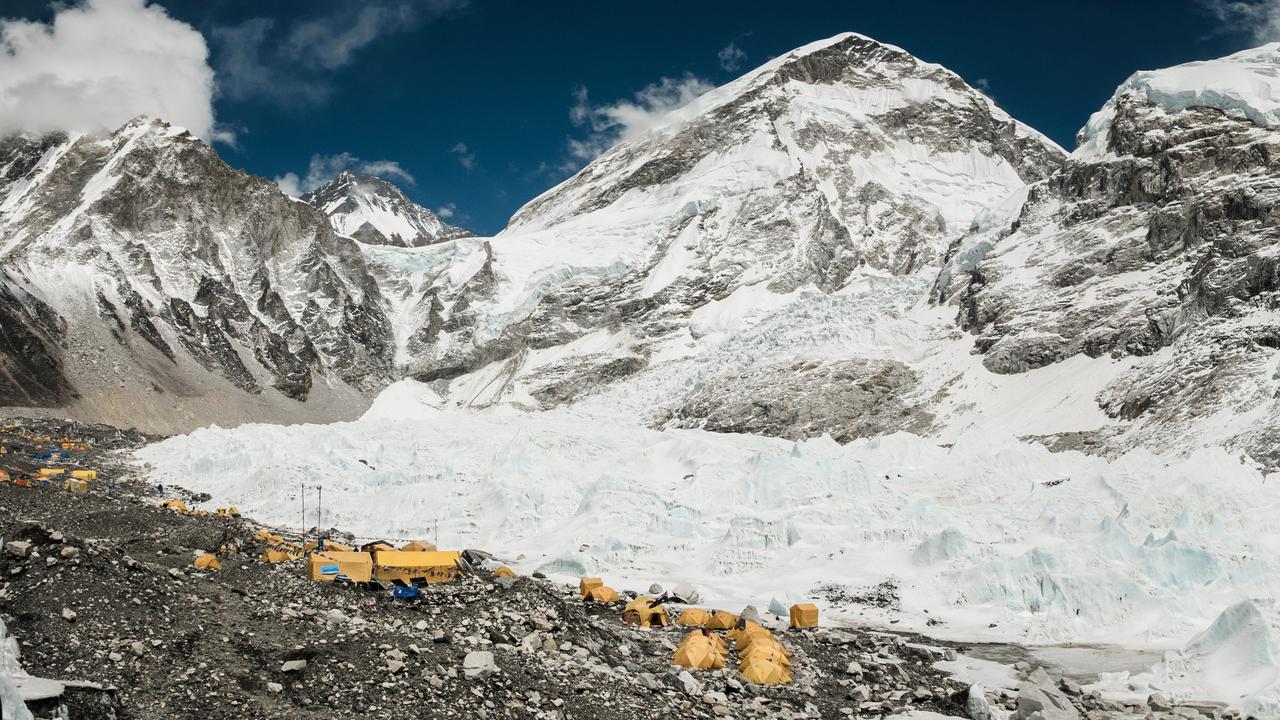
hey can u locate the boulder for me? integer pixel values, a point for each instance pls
(687, 593)
(293, 665)
(1040, 696)
(478, 664)
(18, 548)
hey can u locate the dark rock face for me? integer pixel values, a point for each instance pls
(1164, 249)
(30, 337)
(846, 400)
(185, 254)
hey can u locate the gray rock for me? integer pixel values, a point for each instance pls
(478, 663)
(68, 614)
(1041, 697)
(1157, 702)
(976, 704)
(275, 688)
(655, 589)
(18, 548)
(687, 592)
(293, 665)
(750, 613)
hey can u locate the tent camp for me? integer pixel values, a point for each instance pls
(694, 617)
(410, 567)
(804, 615)
(643, 612)
(722, 620)
(602, 594)
(763, 672)
(208, 561)
(330, 565)
(699, 651)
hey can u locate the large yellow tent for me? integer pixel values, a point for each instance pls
(644, 613)
(694, 617)
(763, 672)
(699, 651)
(722, 620)
(409, 567)
(804, 615)
(587, 583)
(602, 594)
(329, 564)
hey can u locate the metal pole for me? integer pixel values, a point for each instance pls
(303, 489)
(320, 506)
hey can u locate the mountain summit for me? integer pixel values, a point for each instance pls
(377, 212)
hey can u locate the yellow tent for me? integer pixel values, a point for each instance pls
(419, 546)
(268, 537)
(232, 511)
(745, 628)
(722, 620)
(699, 651)
(207, 561)
(336, 547)
(74, 485)
(84, 474)
(4, 477)
(767, 640)
(329, 564)
(275, 556)
(602, 594)
(763, 672)
(644, 613)
(175, 505)
(773, 653)
(804, 615)
(504, 571)
(50, 472)
(408, 567)
(377, 546)
(587, 583)
(694, 617)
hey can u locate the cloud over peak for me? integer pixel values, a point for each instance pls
(100, 63)
(324, 168)
(627, 120)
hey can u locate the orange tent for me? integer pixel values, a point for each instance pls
(722, 620)
(763, 672)
(694, 617)
(208, 561)
(419, 546)
(587, 583)
(699, 651)
(504, 571)
(804, 615)
(602, 594)
(644, 613)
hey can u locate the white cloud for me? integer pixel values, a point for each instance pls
(324, 168)
(731, 57)
(627, 120)
(447, 211)
(1257, 19)
(99, 64)
(983, 85)
(465, 157)
(289, 65)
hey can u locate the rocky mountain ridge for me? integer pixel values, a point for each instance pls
(376, 212)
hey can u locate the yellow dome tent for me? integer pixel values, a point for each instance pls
(644, 613)
(275, 556)
(763, 672)
(208, 561)
(804, 615)
(694, 617)
(601, 594)
(745, 628)
(700, 652)
(504, 571)
(774, 654)
(722, 620)
(175, 505)
(419, 546)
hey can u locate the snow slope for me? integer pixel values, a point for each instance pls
(377, 212)
(1049, 546)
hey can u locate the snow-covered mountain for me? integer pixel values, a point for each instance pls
(843, 160)
(376, 212)
(146, 283)
(1154, 250)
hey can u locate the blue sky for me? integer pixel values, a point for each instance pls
(473, 100)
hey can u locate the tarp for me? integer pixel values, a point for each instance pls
(328, 565)
(722, 620)
(763, 672)
(602, 594)
(642, 612)
(804, 615)
(694, 617)
(699, 652)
